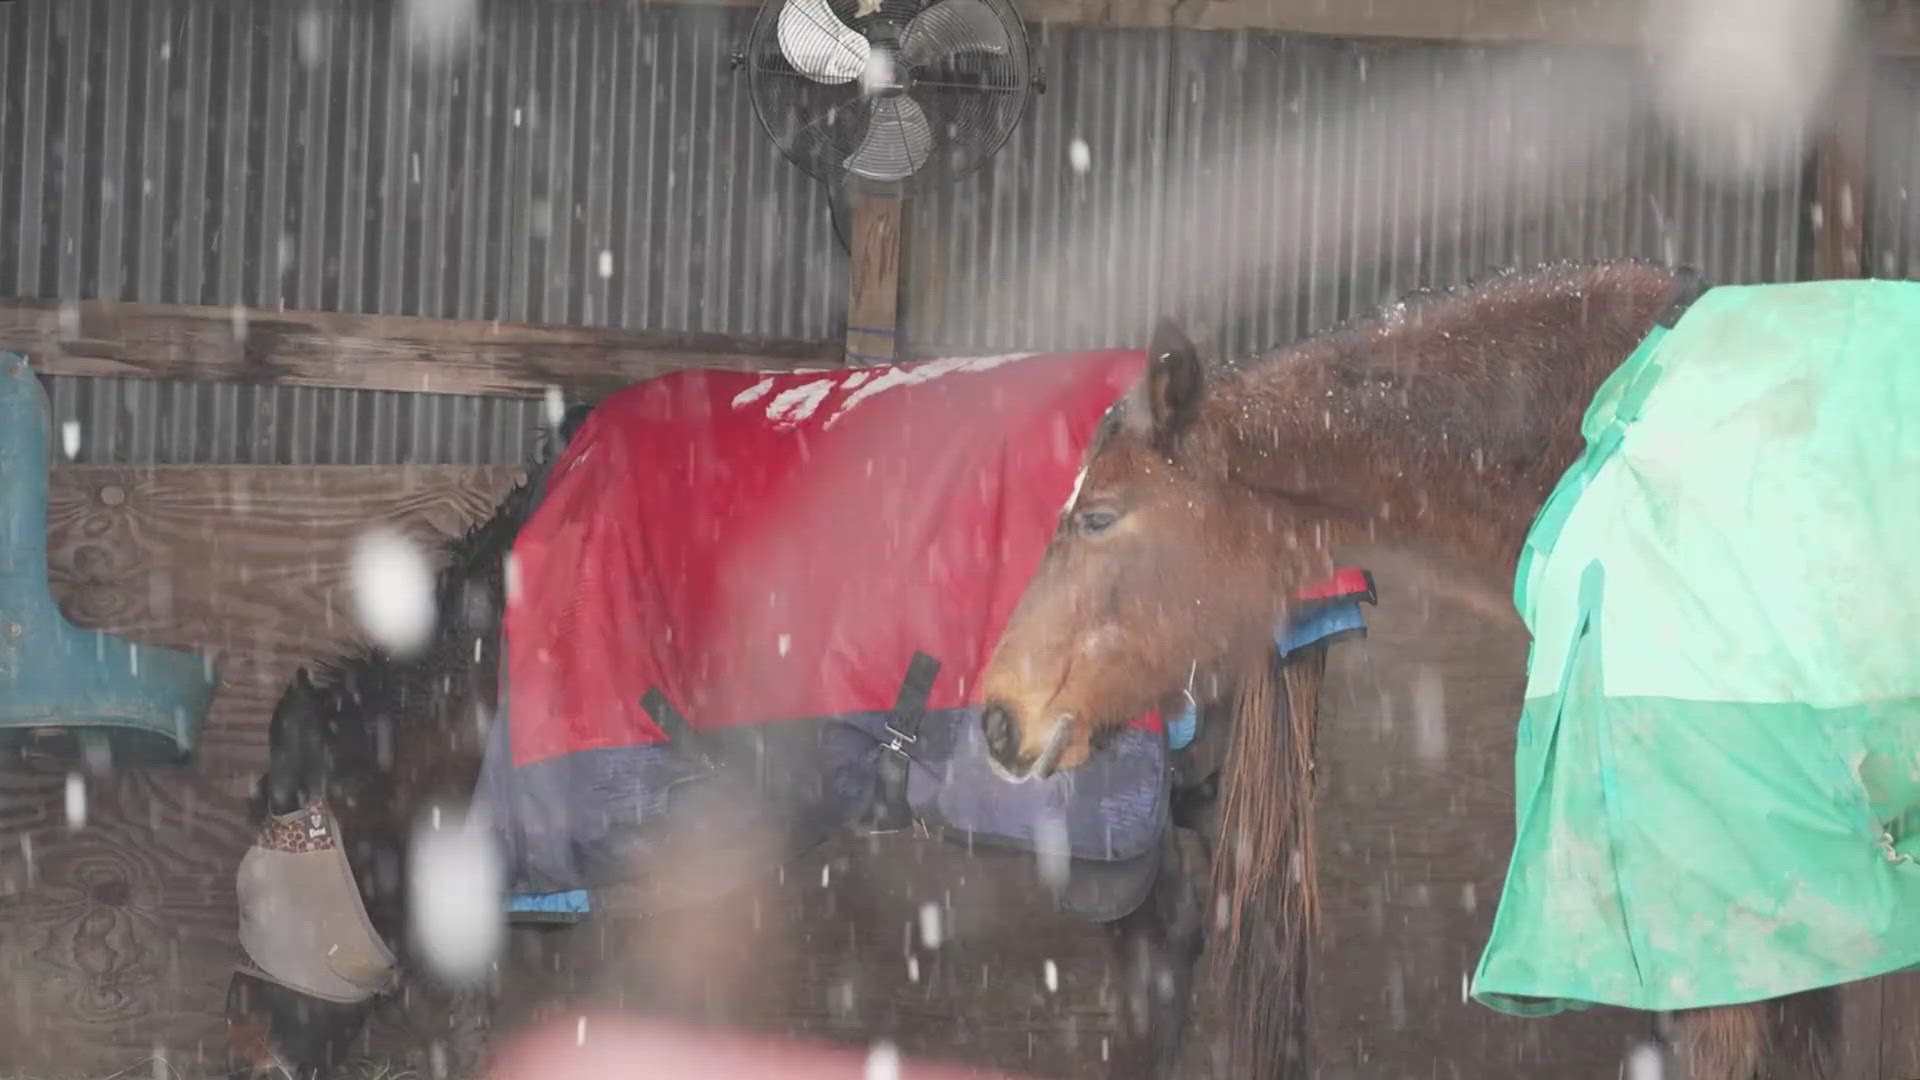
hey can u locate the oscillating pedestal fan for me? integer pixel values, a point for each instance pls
(888, 96)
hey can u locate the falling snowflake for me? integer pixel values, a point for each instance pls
(1429, 714)
(70, 438)
(1079, 155)
(930, 928)
(1051, 851)
(76, 801)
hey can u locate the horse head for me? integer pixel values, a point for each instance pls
(296, 750)
(1161, 585)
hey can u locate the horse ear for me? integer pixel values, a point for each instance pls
(1173, 384)
(294, 751)
(575, 416)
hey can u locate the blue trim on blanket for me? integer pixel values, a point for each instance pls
(1317, 624)
(571, 902)
(1181, 729)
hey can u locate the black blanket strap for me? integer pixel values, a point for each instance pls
(889, 812)
(680, 734)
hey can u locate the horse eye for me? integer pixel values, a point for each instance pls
(1095, 522)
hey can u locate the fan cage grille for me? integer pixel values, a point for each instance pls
(942, 116)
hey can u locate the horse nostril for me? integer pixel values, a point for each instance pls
(997, 724)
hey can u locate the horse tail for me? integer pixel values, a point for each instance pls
(1265, 885)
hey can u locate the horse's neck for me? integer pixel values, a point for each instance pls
(1445, 428)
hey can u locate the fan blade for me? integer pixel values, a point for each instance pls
(953, 26)
(897, 143)
(819, 45)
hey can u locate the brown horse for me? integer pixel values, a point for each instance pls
(387, 741)
(1209, 496)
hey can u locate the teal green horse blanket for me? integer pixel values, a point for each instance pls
(1718, 762)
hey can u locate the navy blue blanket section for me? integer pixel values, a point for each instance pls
(569, 824)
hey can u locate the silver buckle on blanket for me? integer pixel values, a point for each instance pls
(899, 739)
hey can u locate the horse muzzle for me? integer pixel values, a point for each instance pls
(1004, 745)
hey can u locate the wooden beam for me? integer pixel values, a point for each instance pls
(1567, 22)
(371, 352)
(1840, 173)
(1597, 23)
(873, 280)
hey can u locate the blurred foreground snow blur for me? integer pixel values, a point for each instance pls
(1643, 1063)
(883, 1062)
(1740, 83)
(455, 884)
(393, 591)
(435, 27)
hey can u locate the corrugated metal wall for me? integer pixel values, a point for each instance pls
(301, 154)
(1893, 192)
(589, 164)
(1341, 207)
(298, 153)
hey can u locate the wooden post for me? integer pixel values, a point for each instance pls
(1840, 178)
(873, 279)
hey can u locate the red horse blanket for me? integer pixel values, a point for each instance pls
(763, 556)
(776, 547)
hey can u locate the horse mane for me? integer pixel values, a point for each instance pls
(1435, 306)
(364, 695)
(1265, 880)
(474, 556)
(1266, 897)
